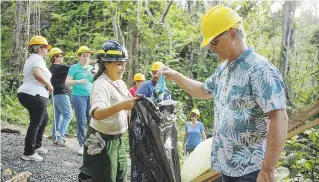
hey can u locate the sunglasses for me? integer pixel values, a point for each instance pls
(45, 47)
(214, 41)
(193, 116)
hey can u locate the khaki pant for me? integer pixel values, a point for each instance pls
(108, 166)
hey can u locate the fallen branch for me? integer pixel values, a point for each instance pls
(303, 114)
(303, 128)
(9, 130)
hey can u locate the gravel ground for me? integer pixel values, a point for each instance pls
(61, 164)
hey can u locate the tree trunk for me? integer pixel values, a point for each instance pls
(287, 43)
(165, 12)
(214, 3)
(27, 24)
(287, 36)
(120, 33)
(134, 45)
(19, 54)
(149, 12)
(191, 61)
(129, 45)
(114, 23)
(133, 59)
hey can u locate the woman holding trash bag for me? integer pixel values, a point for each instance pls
(80, 78)
(60, 98)
(194, 132)
(33, 95)
(104, 157)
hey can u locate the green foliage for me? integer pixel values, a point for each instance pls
(315, 38)
(7, 10)
(13, 112)
(300, 156)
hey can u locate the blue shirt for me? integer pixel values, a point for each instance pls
(78, 72)
(244, 90)
(193, 134)
(147, 89)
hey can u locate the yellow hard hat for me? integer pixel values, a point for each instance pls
(55, 51)
(157, 66)
(217, 20)
(196, 111)
(83, 49)
(139, 76)
(39, 40)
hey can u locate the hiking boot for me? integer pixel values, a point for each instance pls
(35, 157)
(41, 150)
(80, 150)
(59, 143)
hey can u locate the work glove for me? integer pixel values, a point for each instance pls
(95, 144)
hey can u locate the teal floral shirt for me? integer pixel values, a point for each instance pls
(243, 91)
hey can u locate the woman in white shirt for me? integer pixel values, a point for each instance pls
(104, 157)
(33, 95)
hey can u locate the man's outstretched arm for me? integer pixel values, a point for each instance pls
(192, 87)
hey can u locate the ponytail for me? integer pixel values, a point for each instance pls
(100, 71)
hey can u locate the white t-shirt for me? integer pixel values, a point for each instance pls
(30, 84)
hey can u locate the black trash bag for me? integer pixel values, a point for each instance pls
(153, 142)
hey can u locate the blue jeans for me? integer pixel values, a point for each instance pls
(81, 105)
(251, 177)
(62, 107)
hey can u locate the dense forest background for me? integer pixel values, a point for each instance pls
(285, 32)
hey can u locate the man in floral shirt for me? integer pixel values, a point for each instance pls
(250, 117)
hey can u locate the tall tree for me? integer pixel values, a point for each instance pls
(27, 24)
(134, 44)
(287, 36)
(287, 42)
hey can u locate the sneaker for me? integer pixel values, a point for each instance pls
(35, 157)
(41, 150)
(80, 150)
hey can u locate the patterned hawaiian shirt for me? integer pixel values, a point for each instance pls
(243, 91)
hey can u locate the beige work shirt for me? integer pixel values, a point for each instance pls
(106, 93)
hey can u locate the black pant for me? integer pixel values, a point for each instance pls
(251, 177)
(37, 107)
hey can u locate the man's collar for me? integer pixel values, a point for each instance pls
(232, 65)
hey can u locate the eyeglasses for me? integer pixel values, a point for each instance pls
(214, 41)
